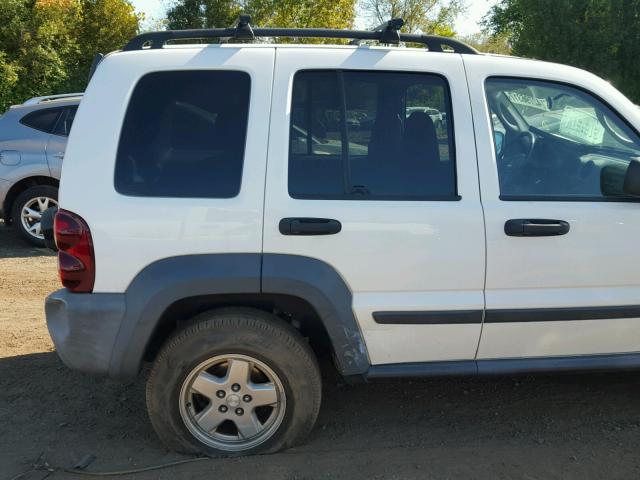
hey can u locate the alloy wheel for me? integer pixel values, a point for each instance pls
(31, 215)
(232, 402)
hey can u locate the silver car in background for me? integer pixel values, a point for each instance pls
(33, 138)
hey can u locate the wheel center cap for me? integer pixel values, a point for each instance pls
(233, 400)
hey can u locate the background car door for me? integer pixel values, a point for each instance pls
(562, 256)
(57, 142)
(349, 145)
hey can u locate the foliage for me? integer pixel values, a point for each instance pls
(497, 43)
(425, 16)
(303, 13)
(204, 13)
(602, 36)
(265, 13)
(106, 25)
(47, 46)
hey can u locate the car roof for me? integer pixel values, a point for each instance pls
(53, 98)
(26, 107)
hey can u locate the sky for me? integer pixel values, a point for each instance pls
(469, 23)
(466, 24)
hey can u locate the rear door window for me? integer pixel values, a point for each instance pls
(360, 135)
(63, 126)
(184, 135)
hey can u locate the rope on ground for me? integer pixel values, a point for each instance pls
(78, 471)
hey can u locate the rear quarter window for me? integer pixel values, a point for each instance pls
(43, 120)
(184, 135)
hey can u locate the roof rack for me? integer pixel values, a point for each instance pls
(387, 33)
(51, 98)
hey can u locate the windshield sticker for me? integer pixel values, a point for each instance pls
(527, 100)
(581, 124)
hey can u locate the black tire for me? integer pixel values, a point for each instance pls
(235, 331)
(23, 199)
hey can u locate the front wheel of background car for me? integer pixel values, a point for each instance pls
(234, 382)
(28, 209)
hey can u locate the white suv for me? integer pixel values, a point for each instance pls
(245, 206)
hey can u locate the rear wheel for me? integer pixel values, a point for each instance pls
(236, 381)
(28, 209)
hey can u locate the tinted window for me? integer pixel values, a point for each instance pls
(43, 120)
(371, 135)
(556, 141)
(63, 126)
(184, 135)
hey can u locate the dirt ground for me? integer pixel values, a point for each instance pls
(566, 427)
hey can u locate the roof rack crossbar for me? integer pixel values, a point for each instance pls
(386, 33)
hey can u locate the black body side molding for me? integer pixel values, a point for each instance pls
(561, 314)
(445, 317)
(516, 315)
(508, 366)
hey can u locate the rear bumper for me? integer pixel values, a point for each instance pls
(84, 327)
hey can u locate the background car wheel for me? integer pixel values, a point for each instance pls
(28, 209)
(234, 382)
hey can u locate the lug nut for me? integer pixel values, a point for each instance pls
(220, 393)
(246, 398)
(235, 387)
(223, 408)
(239, 411)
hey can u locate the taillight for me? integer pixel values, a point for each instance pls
(76, 261)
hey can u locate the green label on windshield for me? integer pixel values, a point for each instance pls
(581, 124)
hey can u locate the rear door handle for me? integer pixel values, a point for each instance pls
(535, 227)
(309, 226)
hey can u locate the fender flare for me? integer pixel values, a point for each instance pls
(319, 284)
(166, 281)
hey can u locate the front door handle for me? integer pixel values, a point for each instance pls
(535, 227)
(309, 226)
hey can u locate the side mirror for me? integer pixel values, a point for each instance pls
(631, 184)
(46, 223)
(621, 180)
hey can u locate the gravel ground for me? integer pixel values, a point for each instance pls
(558, 427)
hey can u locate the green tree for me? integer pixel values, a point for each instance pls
(46, 46)
(498, 43)
(303, 13)
(204, 13)
(426, 16)
(280, 13)
(602, 36)
(49, 51)
(9, 76)
(13, 23)
(106, 25)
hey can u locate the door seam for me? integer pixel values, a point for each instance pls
(484, 222)
(266, 164)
